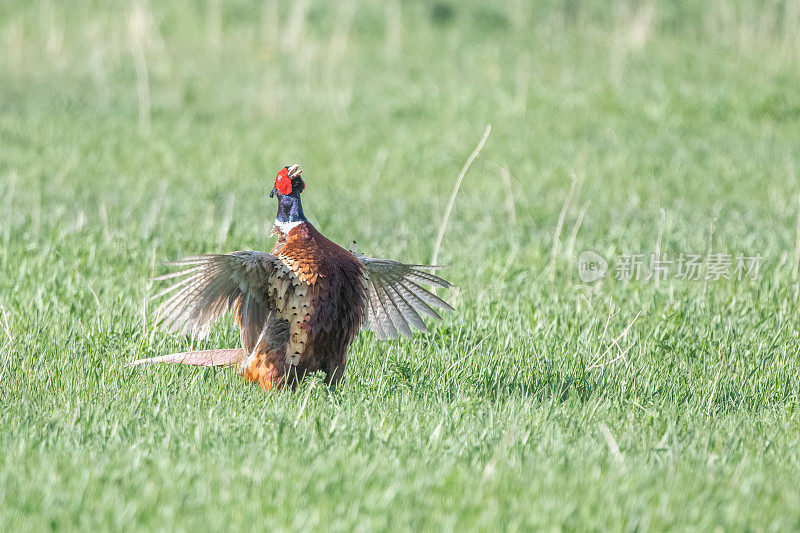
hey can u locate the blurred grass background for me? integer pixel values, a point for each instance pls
(135, 132)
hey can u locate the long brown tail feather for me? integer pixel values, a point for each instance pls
(223, 357)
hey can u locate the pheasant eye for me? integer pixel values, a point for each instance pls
(283, 183)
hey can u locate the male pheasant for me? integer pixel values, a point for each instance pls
(299, 307)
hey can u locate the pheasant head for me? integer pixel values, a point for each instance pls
(288, 186)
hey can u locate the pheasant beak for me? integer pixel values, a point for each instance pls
(273, 191)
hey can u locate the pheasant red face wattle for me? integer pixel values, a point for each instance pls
(288, 181)
(283, 183)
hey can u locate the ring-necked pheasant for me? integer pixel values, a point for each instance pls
(299, 307)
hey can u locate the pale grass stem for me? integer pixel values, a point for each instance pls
(394, 28)
(214, 22)
(449, 208)
(297, 22)
(521, 83)
(459, 361)
(137, 29)
(305, 402)
(78, 225)
(510, 208)
(149, 223)
(66, 168)
(9, 194)
(613, 447)
(382, 380)
(648, 411)
(708, 251)
(101, 209)
(611, 314)
(716, 380)
(536, 354)
(144, 304)
(91, 290)
(15, 44)
(144, 315)
(657, 250)
(556, 247)
(377, 167)
(631, 35)
(622, 354)
(226, 220)
(55, 34)
(270, 20)
(574, 235)
(36, 211)
(640, 30)
(6, 326)
(796, 242)
(596, 406)
(341, 33)
(596, 364)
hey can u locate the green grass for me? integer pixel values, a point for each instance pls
(680, 123)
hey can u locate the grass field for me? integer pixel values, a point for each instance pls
(134, 133)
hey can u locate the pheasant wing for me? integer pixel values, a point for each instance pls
(248, 282)
(395, 298)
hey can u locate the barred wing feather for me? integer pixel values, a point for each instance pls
(395, 298)
(209, 285)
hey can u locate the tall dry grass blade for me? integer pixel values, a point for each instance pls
(394, 28)
(521, 83)
(214, 23)
(657, 251)
(103, 212)
(459, 361)
(716, 380)
(9, 214)
(612, 445)
(511, 210)
(614, 342)
(377, 167)
(6, 325)
(295, 26)
(226, 220)
(556, 247)
(270, 22)
(54, 32)
(15, 45)
(91, 291)
(341, 33)
(5, 365)
(137, 30)
(461, 175)
(796, 242)
(708, 253)
(574, 235)
(305, 403)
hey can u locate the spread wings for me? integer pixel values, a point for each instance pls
(256, 285)
(253, 284)
(395, 298)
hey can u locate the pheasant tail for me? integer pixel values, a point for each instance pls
(223, 357)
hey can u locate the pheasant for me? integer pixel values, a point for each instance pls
(299, 307)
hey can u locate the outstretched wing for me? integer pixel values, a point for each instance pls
(252, 284)
(395, 299)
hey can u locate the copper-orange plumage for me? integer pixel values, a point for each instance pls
(299, 307)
